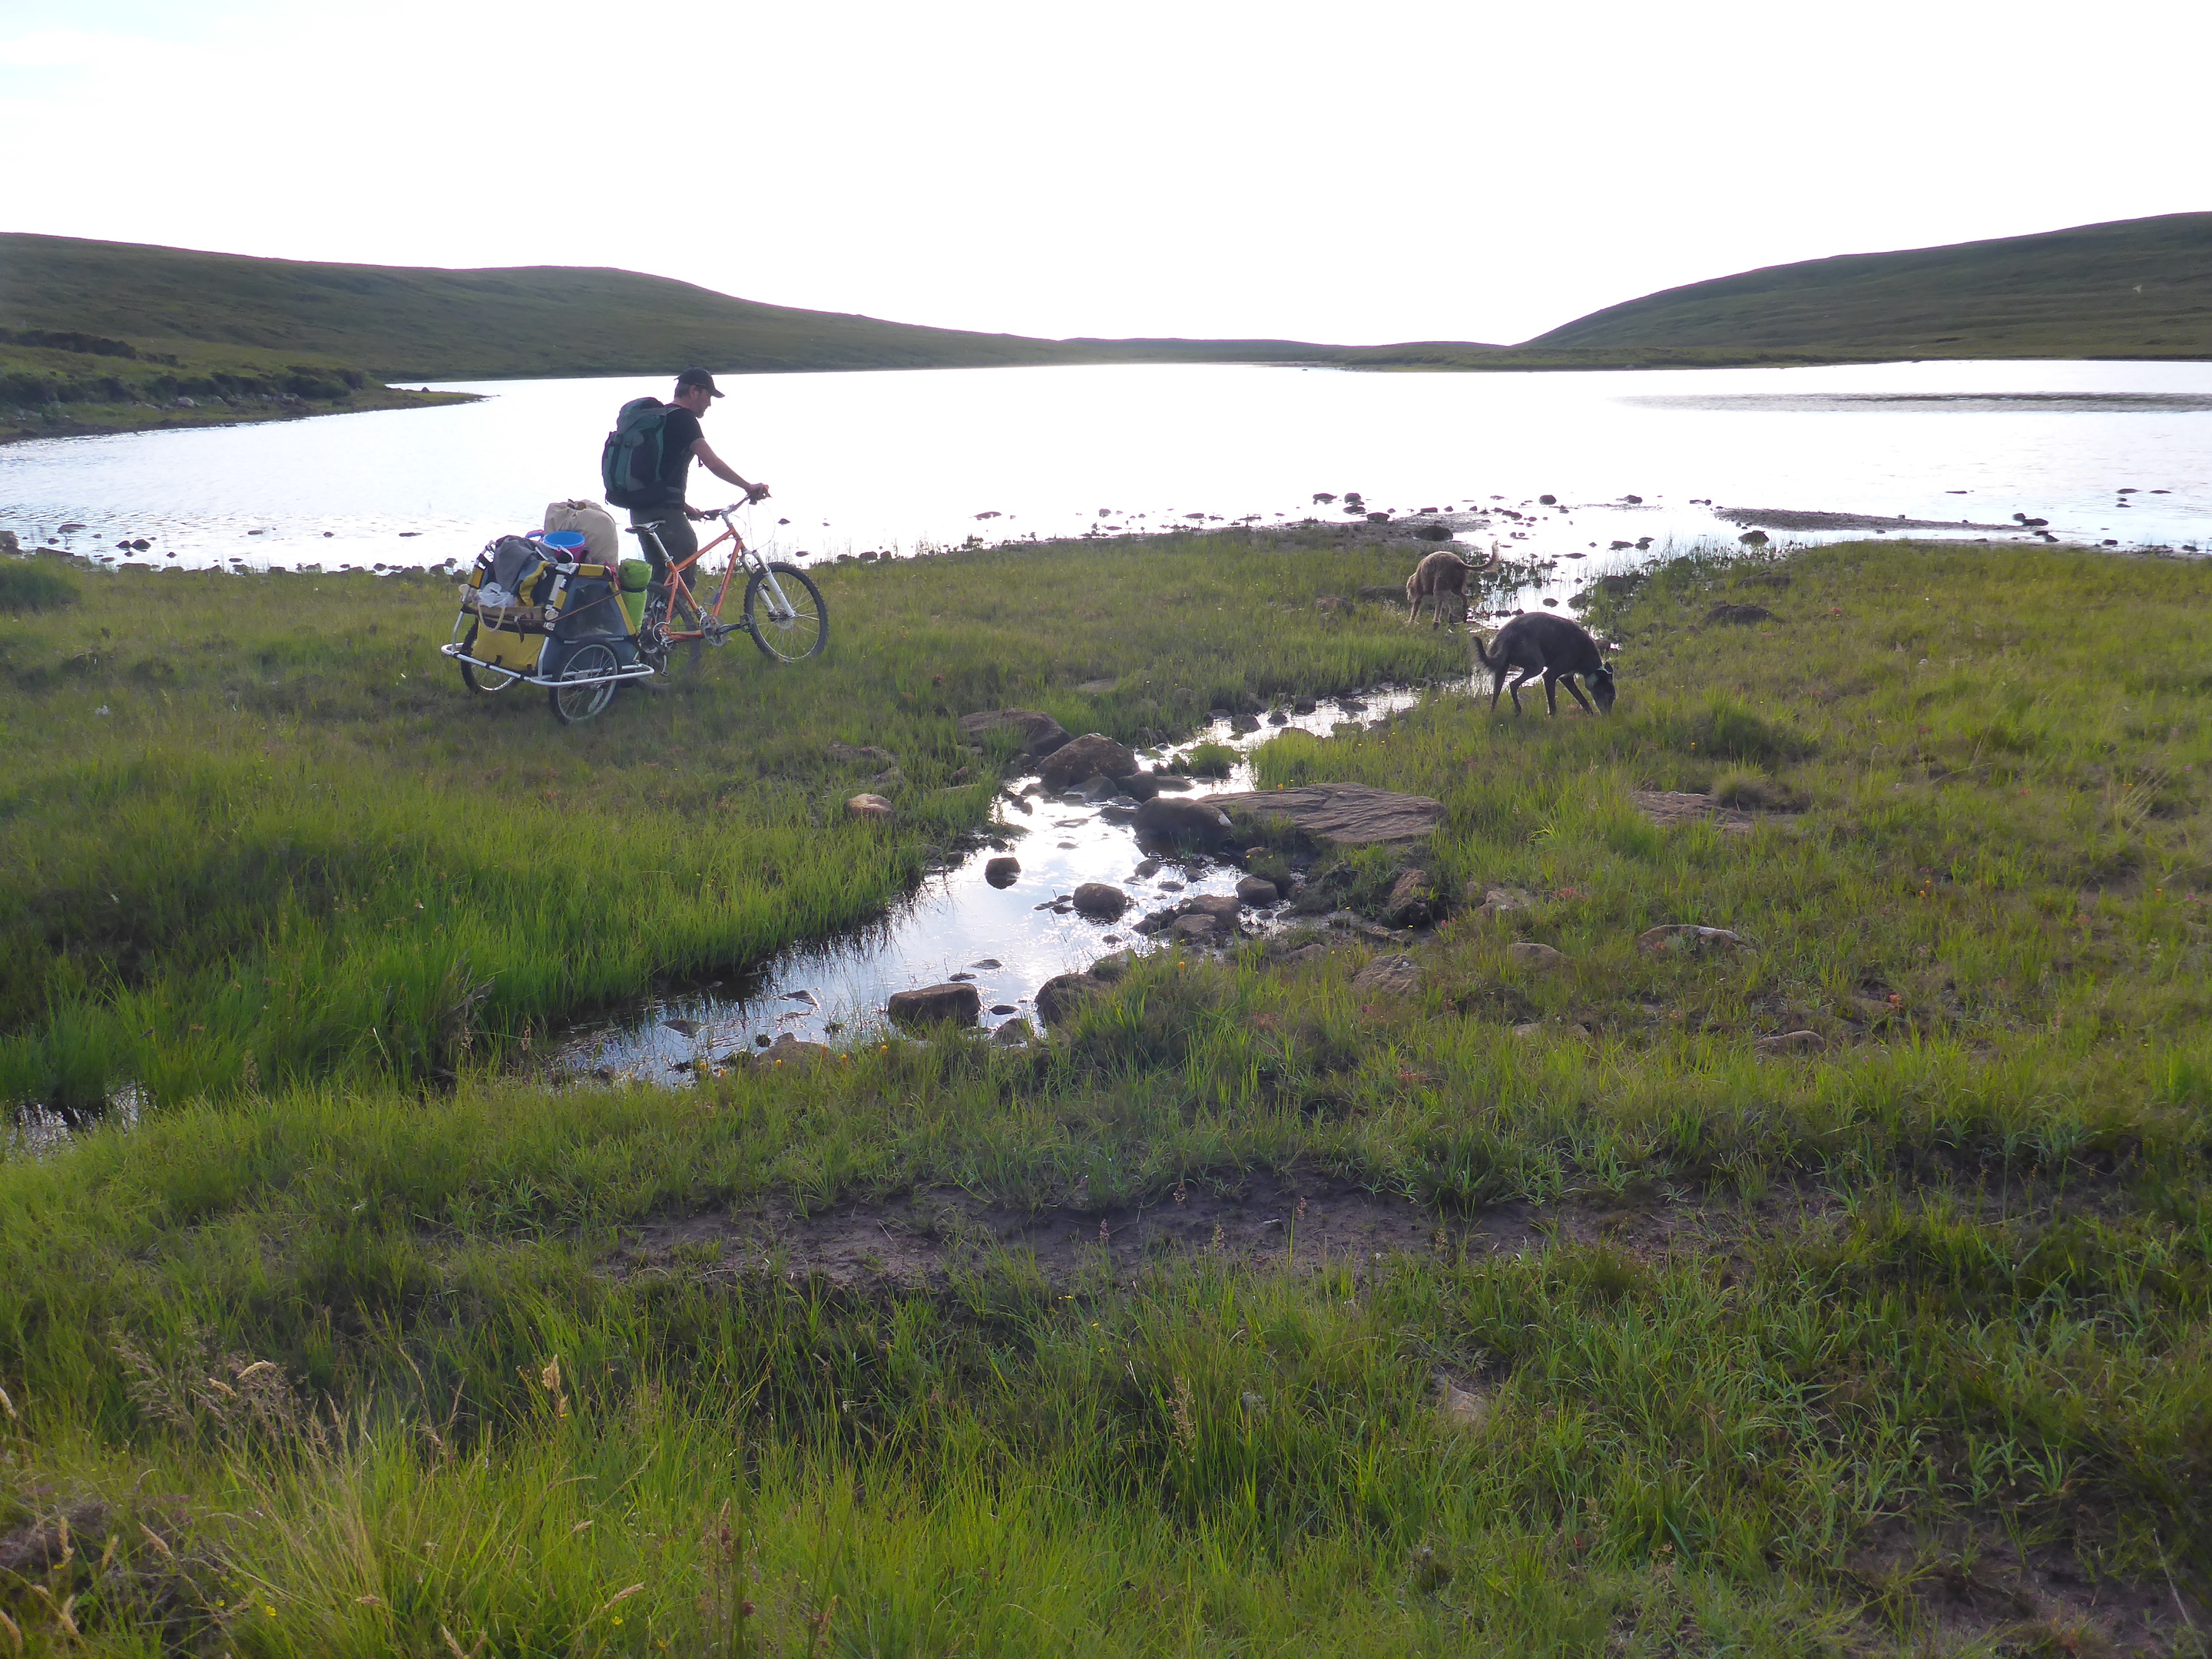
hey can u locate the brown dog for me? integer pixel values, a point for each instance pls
(1438, 574)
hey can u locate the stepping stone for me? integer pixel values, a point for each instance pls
(1339, 814)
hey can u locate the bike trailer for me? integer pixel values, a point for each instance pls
(529, 606)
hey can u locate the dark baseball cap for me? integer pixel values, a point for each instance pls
(697, 377)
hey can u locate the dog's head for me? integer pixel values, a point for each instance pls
(1601, 689)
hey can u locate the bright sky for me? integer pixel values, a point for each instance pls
(1393, 170)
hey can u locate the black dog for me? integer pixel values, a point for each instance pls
(1541, 643)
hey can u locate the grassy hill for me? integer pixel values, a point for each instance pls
(103, 335)
(2135, 287)
(400, 322)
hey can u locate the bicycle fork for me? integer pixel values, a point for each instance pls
(780, 609)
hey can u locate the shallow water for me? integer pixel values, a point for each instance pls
(1010, 939)
(907, 461)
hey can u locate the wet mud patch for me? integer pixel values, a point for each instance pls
(1296, 1224)
(1301, 1222)
(1970, 1587)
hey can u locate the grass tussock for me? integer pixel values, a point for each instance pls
(28, 585)
(1900, 1346)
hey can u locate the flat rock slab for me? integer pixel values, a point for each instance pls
(1686, 938)
(1666, 807)
(1340, 814)
(1390, 976)
(1784, 518)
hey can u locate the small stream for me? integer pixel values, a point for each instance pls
(957, 926)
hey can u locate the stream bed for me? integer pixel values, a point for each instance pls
(1006, 941)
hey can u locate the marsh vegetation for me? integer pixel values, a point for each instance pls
(1899, 1340)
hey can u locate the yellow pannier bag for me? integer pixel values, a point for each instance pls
(504, 648)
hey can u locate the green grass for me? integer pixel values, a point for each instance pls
(2135, 287)
(257, 830)
(25, 584)
(1906, 1347)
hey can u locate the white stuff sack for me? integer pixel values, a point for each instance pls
(601, 538)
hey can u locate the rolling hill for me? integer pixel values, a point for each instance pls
(400, 322)
(99, 336)
(2134, 287)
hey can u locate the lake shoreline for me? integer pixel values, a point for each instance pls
(108, 419)
(112, 420)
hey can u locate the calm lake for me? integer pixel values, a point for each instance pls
(905, 462)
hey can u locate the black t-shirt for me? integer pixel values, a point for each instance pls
(679, 431)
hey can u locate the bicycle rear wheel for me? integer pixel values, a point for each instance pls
(654, 647)
(795, 627)
(575, 704)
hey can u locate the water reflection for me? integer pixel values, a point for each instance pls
(1005, 941)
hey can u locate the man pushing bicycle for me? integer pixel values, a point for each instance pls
(646, 461)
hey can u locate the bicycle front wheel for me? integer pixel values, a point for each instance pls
(784, 613)
(573, 704)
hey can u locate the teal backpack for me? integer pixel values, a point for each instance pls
(629, 465)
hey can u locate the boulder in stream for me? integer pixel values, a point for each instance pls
(1003, 870)
(1059, 997)
(1257, 892)
(935, 1005)
(787, 1054)
(1100, 901)
(1198, 823)
(1079, 758)
(1222, 906)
